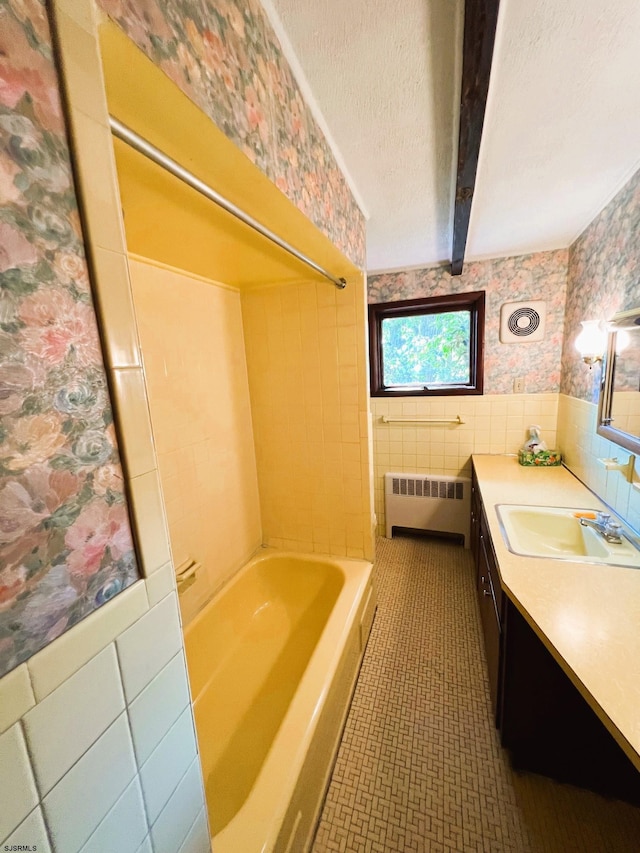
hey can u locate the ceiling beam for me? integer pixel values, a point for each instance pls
(480, 18)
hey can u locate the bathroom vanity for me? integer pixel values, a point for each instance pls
(562, 639)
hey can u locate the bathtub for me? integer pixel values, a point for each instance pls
(272, 663)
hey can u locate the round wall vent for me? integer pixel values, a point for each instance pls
(522, 321)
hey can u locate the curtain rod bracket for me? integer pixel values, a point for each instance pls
(144, 147)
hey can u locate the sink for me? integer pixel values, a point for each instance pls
(556, 533)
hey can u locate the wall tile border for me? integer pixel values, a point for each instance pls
(83, 82)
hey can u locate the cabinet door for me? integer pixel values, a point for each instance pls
(490, 624)
(547, 725)
(476, 512)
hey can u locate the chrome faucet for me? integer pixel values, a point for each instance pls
(608, 529)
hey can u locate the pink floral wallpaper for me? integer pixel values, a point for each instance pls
(224, 55)
(604, 277)
(65, 540)
(539, 276)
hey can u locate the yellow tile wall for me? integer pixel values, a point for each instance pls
(493, 423)
(196, 375)
(582, 449)
(307, 363)
(626, 411)
(33, 687)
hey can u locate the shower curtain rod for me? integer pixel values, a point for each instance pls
(121, 131)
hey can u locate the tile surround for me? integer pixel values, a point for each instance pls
(148, 645)
(160, 584)
(86, 704)
(98, 767)
(97, 781)
(168, 833)
(82, 66)
(198, 835)
(62, 464)
(150, 521)
(58, 661)
(97, 186)
(158, 706)
(98, 181)
(306, 359)
(53, 669)
(163, 770)
(201, 421)
(31, 831)
(82, 12)
(124, 827)
(134, 420)
(17, 776)
(493, 423)
(115, 306)
(16, 696)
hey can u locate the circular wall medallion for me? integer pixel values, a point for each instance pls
(523, 322)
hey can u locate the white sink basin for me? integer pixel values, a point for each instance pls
(556, 533)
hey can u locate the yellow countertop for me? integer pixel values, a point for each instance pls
(587, 615)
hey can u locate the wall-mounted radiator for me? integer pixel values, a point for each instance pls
(429, 502)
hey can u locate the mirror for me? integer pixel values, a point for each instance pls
(619, 404)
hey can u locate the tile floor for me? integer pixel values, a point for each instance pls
(420, 767)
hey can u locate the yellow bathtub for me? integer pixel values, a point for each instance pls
(272, 662)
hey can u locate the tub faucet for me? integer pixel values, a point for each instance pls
(608, 529)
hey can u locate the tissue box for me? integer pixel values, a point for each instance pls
(543, 459)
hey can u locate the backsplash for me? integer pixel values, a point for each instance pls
(539, 276)
(227, 59)
(65, 539)
(493, 423)
(583, 449)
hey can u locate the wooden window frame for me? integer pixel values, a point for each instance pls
(474, 302)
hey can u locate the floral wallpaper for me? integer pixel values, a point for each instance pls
(604, 277)
(224, 55)
(539, 276)
(65, 540)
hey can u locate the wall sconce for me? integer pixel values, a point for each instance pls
(591, 342)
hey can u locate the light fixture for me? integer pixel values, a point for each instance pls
(591, 342)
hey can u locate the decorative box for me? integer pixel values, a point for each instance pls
(543, 459)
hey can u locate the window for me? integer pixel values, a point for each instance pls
(427, 346)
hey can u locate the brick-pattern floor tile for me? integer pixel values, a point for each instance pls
(420, 767)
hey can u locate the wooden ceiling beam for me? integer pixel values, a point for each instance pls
(480, 19)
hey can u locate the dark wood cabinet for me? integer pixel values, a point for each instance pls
(491, 627)
(544, 721)
(490, 596)
(547, 725)
(475, 517)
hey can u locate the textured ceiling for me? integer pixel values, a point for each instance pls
(562, 129)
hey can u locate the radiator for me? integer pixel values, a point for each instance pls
(429, 502)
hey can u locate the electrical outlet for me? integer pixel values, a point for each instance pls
(518, 385)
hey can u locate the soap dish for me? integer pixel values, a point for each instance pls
(541, 459)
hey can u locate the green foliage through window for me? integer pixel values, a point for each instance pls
(429, 346)
(427, 349)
